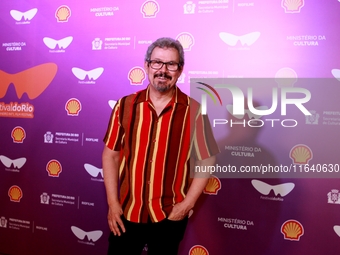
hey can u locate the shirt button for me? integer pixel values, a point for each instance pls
(149, 182)
(150, 160)
(154, 140)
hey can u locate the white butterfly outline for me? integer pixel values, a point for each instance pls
(91, 235)
(28, 15)
(62, 43)
(17, 163)
(92, 74)
(93, 171)
(247, 39)
(283, 189)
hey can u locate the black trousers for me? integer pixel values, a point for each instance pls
(162, 238)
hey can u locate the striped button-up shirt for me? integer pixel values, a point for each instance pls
(156, 152)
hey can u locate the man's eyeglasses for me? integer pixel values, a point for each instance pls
(157, 64)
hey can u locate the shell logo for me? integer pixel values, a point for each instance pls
(53, 168)
(149, 9)
(63, 13)
(73, 107)
(213, 186)
(136, 75)
(18, 134)
(292, 6)
(187, 40)
(292, 230)
(301, 154)
(15, 193)
(198, 250)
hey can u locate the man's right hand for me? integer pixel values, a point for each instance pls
(114, 218)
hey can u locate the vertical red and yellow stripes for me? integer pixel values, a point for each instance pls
(156, 150)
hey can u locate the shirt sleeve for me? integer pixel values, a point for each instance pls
(204, 142)
(115, 131)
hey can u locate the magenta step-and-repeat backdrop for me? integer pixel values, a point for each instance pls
(63, 65)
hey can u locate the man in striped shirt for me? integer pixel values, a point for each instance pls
(154, 139)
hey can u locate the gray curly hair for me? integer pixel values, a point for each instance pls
(166, 42)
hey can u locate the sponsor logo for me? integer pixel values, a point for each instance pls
(44, 198)
(336, 73)
(292, 230)
(149, 9)
(136, 75)
(104, 11)
(53, 167)
(28, 15)
(48, 137)
(15, 193)
(337, 230)
(62, 44)
(18, 134)
(95, 172)
(32, 81)
(313, 119)
(187, 40)
(199, 250)
(112, 103)
(3, 222)
(247, 39)
(97, 44)
(213, 186)
(286, 77)
(92, 75)
(281, 189)
(333, 196)
(292, 6)
(92, 236)
(63, 13)
(189, 7)
(73, 107)
(301, 154)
